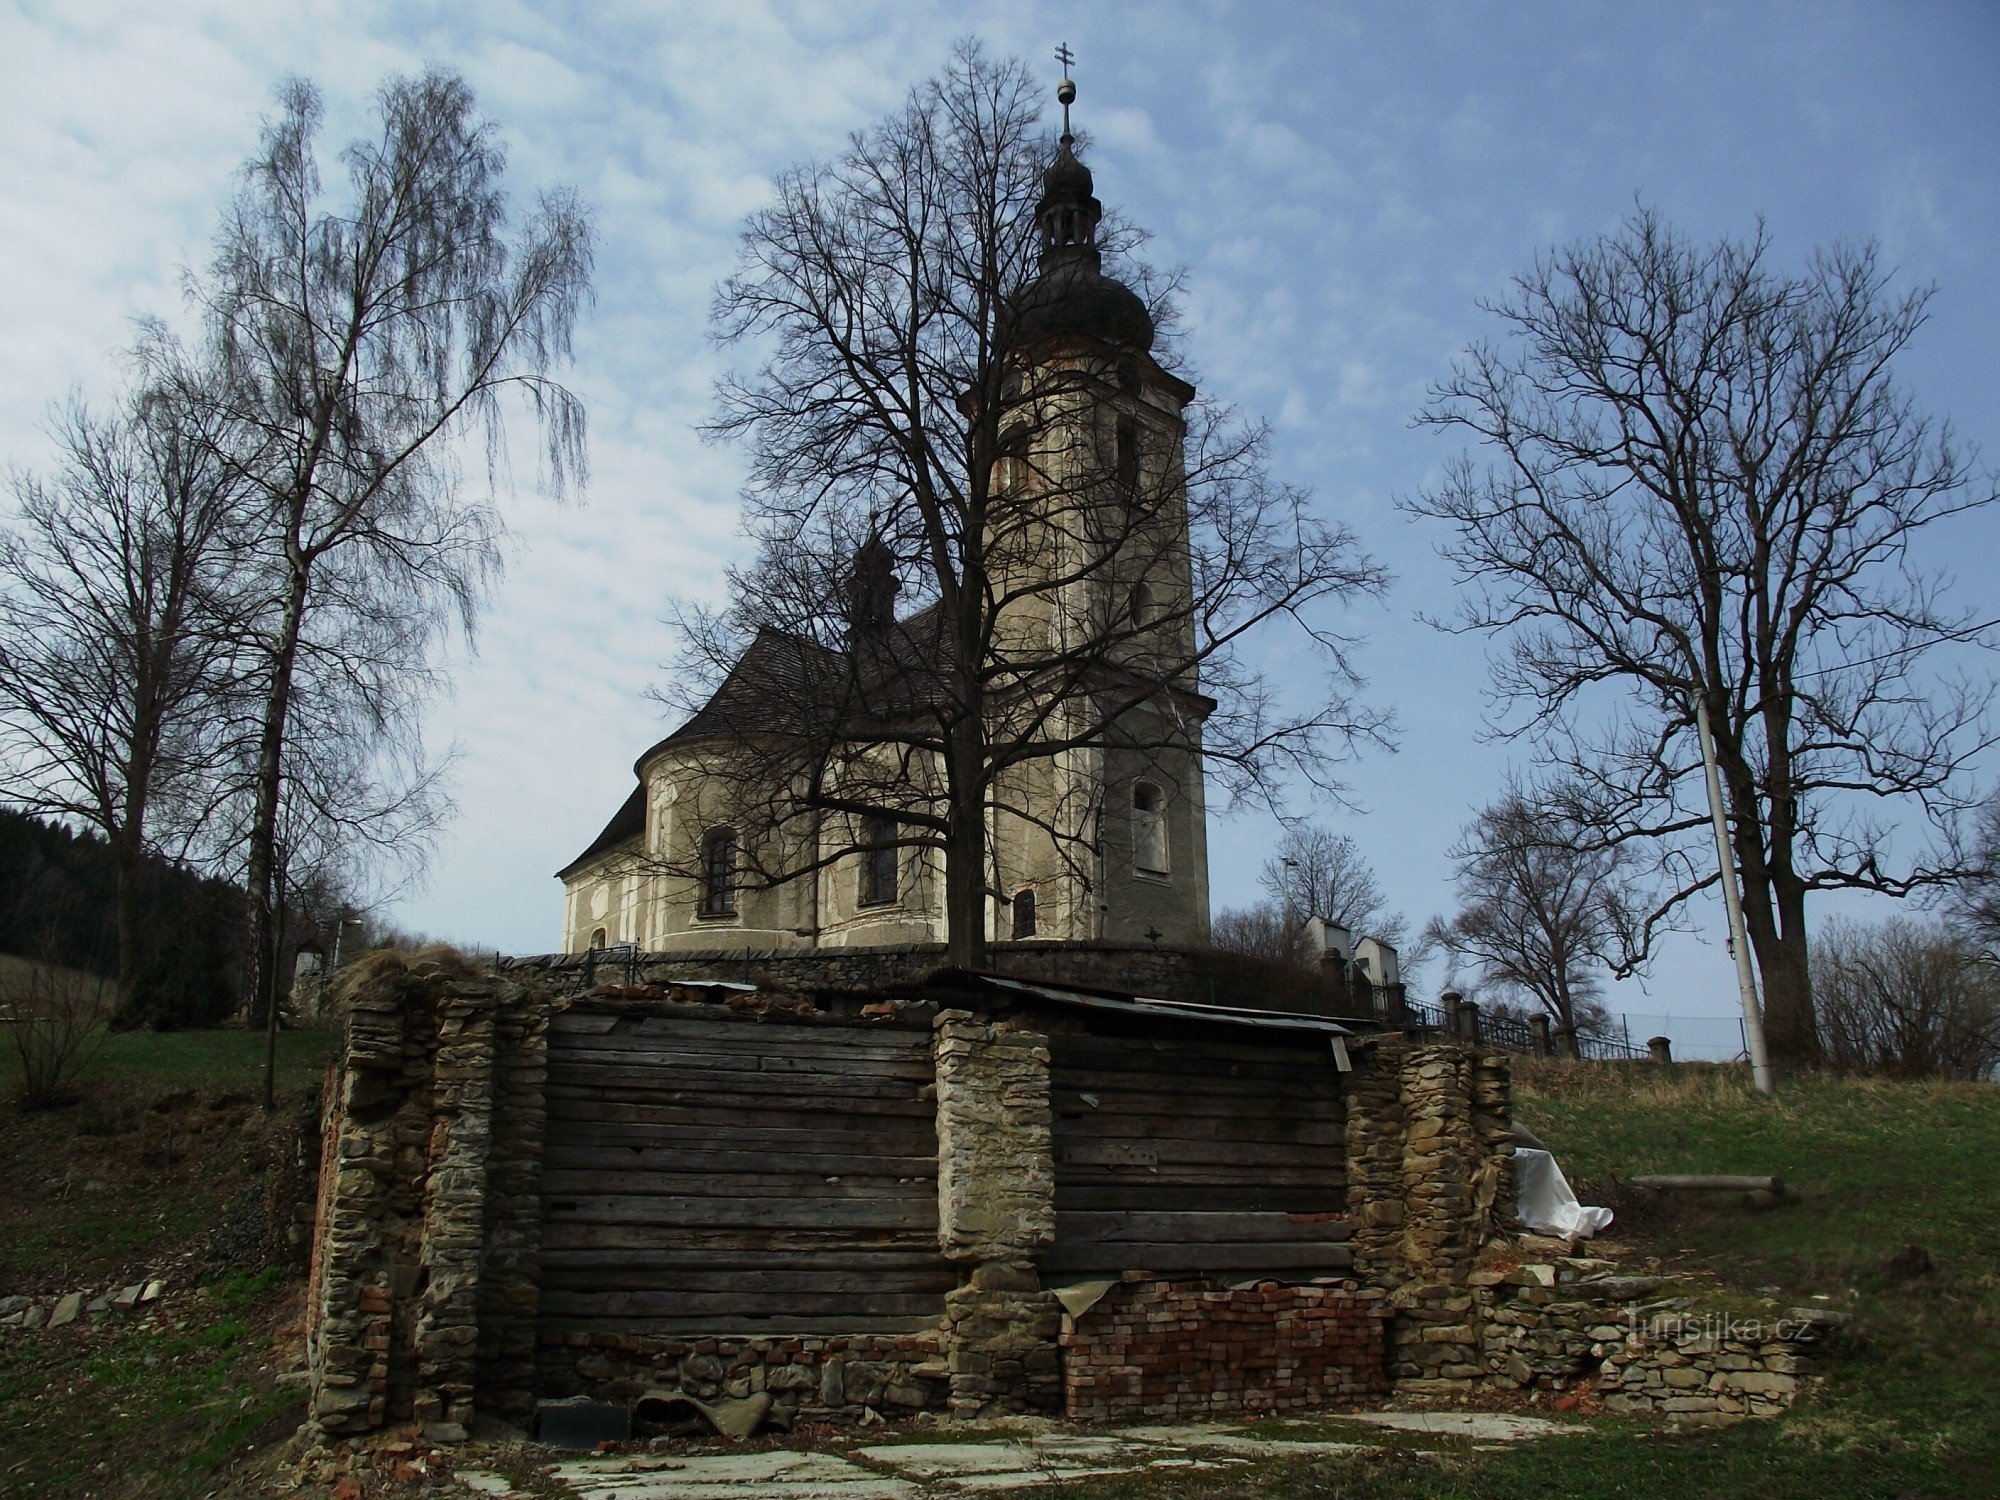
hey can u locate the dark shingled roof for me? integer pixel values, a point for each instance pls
(629, 822)
(780, 680)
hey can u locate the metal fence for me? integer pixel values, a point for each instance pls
(1512, 1034)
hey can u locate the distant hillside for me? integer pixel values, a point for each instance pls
(56, 888)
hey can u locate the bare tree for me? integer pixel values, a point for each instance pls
(55, 1020)
(1263, 929)
(120, 615)
(1316, 873)
(1073, 587)
(1973, 903)
(1705, 488)
(358, 343)
(1905, 999)
(1541, 911)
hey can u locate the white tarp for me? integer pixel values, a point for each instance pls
(1546, 1203)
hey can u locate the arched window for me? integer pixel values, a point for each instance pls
(1024, 912)
(1011, 468)
(718, 873)
(597, 940)
(1149, 829)
(879, 860)
(1128, 454)
(1144, 610)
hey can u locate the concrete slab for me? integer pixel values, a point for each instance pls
(778, 1475)
(1008, 1465)
(1214, 1437)
(1482, 1426)
(482, 1483)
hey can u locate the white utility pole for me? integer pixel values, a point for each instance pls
(1732, 900)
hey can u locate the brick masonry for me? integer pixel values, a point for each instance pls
(1186, 1350)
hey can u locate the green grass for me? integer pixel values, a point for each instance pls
(148, 1062)
(167, 1143)
(135, 1410)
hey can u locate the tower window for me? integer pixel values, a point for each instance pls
(1010, 469)
(1024, 913)
(719, 854)
(1128, 454)
(1144, 610)
(879, 860)
(1149, 829)
(597, 939)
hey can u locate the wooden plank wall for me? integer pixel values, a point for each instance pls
(1197, 1155)
(709, 1173)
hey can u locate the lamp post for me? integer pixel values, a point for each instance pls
(340, 931)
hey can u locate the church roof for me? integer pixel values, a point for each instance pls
(1072, 295)
(629, 822)
(781, 682)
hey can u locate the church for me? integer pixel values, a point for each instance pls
(1097, 832)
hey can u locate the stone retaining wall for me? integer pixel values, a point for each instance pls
(423, 1287)
(996, 1213)
(428, 1253)
(1550, 1326)
(1184, 1350)
(1170, 973)
(1557, 1324)
(838, 1380)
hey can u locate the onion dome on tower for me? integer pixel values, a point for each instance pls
(1073, 295)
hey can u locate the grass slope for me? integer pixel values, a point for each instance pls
(159, 1169)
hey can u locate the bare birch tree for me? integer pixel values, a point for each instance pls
(1705, 487)
(1064, 589)
(359, 342)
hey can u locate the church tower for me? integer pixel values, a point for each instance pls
(1088, 541)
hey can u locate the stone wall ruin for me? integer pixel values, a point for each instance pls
(949, 1200)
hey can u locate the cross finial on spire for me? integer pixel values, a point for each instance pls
(1066, 90)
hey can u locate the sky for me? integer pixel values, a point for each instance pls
(1343, 183)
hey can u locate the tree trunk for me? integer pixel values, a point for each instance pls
(128, 875)
(261, 876)
(965, 856)
(1791, 1030)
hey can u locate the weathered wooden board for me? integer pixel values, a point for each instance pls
(688, 1156)
(742, 1325)
(792, 1284)
(1186, 1156)
(788, 1089)
(1307, 1257)
(1195, 1227)
(674, 1267)
(1140, 1195)
(877, 1211)
(702, 1177)
(728, 1305)
(565, 1232)
(578, 1098)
